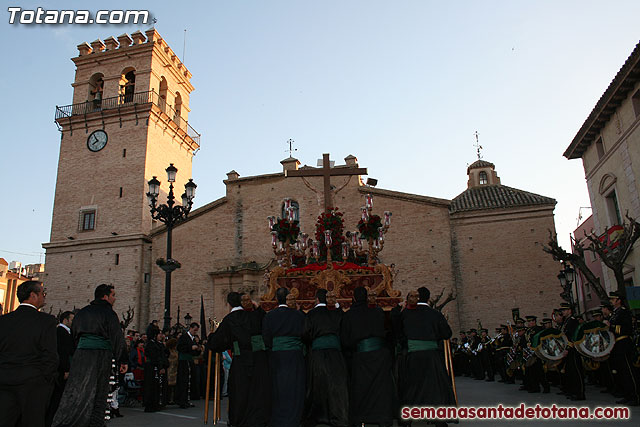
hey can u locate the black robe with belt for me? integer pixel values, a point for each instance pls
(426, 382)
(287, 367)
(248, 386)
(84, 400)
(327, 399)
(371, 385)
(156, 360)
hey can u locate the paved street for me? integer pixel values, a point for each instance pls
(470, 393)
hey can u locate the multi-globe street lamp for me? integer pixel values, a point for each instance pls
(170, 214)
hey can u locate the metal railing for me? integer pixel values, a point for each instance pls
(124, 101)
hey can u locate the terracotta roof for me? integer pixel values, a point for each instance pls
(480, 164)
(620, 86)
(3, 261)
(496, 196)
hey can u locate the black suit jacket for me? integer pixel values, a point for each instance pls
(28, 348)
(66, 347)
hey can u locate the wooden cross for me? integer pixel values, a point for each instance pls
(326, 172)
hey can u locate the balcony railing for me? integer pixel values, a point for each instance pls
(124, 101)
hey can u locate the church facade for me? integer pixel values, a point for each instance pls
(484, 247)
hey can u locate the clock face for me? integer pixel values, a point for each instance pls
(97, 140)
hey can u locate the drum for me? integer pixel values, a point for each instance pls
(551, 346)
(594, 341)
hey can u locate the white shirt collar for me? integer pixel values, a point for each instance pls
(422, 303)
(27, 304)
(65, 326)
(321, 304)
(189, 333)
(283, 305)
(236, 309)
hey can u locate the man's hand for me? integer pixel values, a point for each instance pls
(66, 375)
(194, 347)
(124, 368)
(162, 371)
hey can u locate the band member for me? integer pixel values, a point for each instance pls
(461, 361)
(624, 353)
(187, 349)
(327, 399)
(502, 344)
(534, 373)
(249, 385)
(573, 378)
(371, 384)
(427, 382)
(485, 355)
(282, 332)
(474, 358)
(96, 329)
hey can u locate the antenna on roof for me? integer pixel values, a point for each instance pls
(477, 145)
(184, 44)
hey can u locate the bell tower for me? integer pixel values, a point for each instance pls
(128, 120)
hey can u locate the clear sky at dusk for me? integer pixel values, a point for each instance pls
(402, 85)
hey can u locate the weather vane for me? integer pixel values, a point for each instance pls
(478, 146)
(291, 149)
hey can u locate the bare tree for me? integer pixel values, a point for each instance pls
(576, 259)
(127, 318)
(435, 301)
(614, 253)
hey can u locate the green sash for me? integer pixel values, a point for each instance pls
(421, 345)
(257, 344)
(94, 342)
(286, 343)
(326, 342)
(185, 356)
(370, 344)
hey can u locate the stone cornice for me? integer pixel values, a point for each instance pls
(81, 244)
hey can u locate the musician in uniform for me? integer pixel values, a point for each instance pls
(502, 345)
(474, 358)
(534, 373)
(607, 309)
(624, 353)
(573, 378)
(485, 355)
(461, 363)
(519, 343)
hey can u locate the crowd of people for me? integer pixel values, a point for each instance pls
(511, 354)
(284, 368)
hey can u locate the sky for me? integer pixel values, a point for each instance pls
(402, 85)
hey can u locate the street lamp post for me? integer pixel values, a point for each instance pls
(567, 277)
(170, 214)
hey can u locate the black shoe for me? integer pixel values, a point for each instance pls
(578, 398)
(622, 402)
(522, 388)
(184, 406)
(546, 390)
(489, 380)
(116, 412)
(534, 391)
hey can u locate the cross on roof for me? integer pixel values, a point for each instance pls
(326, 172)
(478, 146)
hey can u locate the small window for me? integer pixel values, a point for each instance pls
(89, 220)
(483, 178)
(124, 152)
(600, 148)
(146, 277)
(120, 191)
(636, 103)
(613, 209)
(117, 259)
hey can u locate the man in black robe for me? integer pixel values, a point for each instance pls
(28, 359)
(573, 378)
(427, 382)
(282, 332)
(187, 349)
(155, 367)
(502, 346)
(248, 385)
(327, 399)
(99, 340)
(371, 391)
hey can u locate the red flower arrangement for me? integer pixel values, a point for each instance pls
(370, 229)
(287, 230)
(331, 220)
